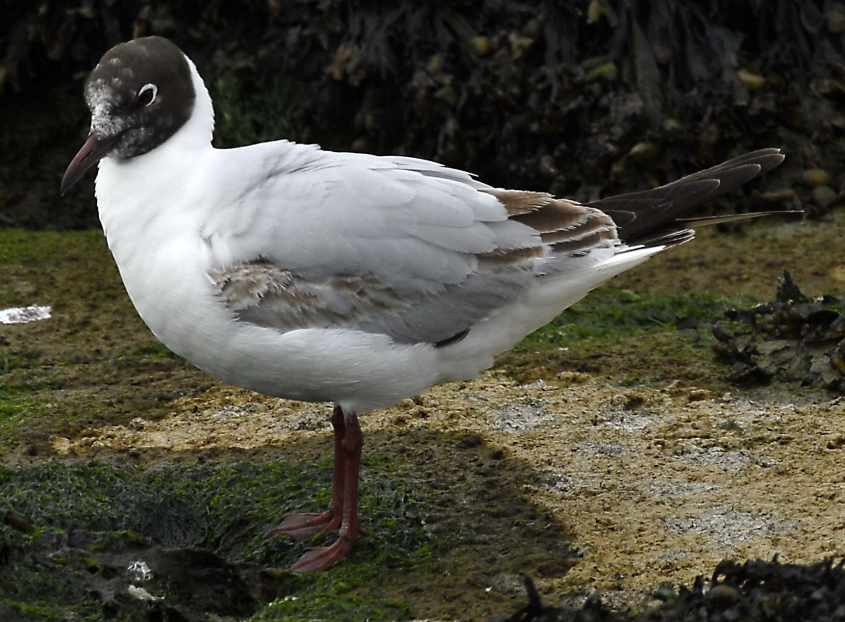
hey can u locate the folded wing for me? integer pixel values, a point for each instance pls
(397, 246)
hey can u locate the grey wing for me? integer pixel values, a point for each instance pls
(268, 295)
(393, 246)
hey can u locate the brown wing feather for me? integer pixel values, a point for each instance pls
(568, 226)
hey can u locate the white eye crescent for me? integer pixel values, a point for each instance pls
(148, 94)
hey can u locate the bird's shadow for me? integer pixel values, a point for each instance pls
(449, 522)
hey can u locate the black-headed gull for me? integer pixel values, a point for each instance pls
(341, 277)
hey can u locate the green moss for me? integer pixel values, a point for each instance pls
(194, 519)
(330, 606)
(631, 337)
(610, 313)
(153, 351)
(226, 508)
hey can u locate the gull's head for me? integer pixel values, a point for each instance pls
(139, 94)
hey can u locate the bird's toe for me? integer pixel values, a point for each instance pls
(304, 525)
(323, 557)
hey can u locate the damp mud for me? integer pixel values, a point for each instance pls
(611, 453)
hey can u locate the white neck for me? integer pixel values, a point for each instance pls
(199, 128)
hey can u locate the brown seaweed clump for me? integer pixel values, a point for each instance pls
(753, 591)
(793, 338)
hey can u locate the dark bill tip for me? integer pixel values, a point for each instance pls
(92, 150)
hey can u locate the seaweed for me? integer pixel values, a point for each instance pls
(793, 338)
(751, 591)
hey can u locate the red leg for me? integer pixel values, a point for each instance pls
(324, 557)
(302, 525)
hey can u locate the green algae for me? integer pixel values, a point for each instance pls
(35, 611)
(612, 313)
(196, 523)
(97, 515)
(630, 337)
(331, 606)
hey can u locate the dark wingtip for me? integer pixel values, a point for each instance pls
(645, 214)
(771, 161)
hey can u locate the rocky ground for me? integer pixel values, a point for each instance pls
(611, 453)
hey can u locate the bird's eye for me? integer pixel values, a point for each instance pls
(147, 94)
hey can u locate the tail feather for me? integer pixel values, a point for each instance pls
(649, 215)
(707, 221)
